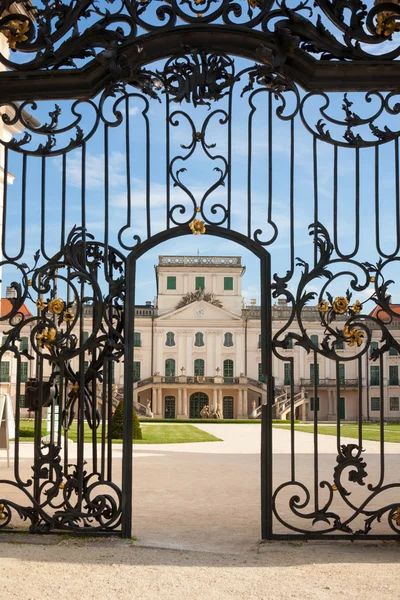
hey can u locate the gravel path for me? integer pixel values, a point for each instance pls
(96, 570)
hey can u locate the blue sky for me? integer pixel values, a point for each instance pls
(200, 175)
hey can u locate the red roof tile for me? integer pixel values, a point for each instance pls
(6, 308)
(379, 313)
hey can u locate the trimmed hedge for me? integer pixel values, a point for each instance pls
(210, 421)
(118, 424)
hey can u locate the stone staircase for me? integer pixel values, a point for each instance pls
(283, 404)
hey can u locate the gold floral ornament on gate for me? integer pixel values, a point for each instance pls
(40, 303)
(396, 517)
(46, 338)
(387, 21)
(323, 306)
(17, 34)
(56, 306)
(340, 305)
(354, 337)
(197, 227)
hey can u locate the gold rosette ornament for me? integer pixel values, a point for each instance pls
(396, 517)
(340, 305)
(40, 303)
(69, 316)
(323, 306)
(46, 337)
(357, 307)
(353, 336)
(197, 227)
(56, 306)
(18, 35)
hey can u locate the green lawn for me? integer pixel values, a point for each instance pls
(152, 434)
(370, 430)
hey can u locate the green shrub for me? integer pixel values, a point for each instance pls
(118, 424)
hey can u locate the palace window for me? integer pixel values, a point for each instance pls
(314, 373)
(289, 343)
(261, 377)
(24, 372)
(286, 373)
(228, 340)
(171, 282)
(170, 367)
(4, 371)
(394, 403)
(339, 345)
(199, 367)
(23, 344)
(312, 404)
(374, 375)
(200, 283)
(314, 340)
(393, 375)
(85, 336)
(137, 339)
(259, 340)
(373, 346)
(136, 370)
(393, 351)
(22, 400)
(170, 339)
(228, 368)
(228, 284)
(342, 374)
(375, 403)
(199, 339)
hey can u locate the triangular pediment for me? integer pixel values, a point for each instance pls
(200, 311)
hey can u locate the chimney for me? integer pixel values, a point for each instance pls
(148, 302)
(282, 301)
(11, 292)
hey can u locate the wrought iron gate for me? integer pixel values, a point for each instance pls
(295, 115)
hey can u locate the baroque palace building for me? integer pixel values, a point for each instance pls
(198, 344)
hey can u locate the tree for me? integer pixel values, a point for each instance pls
(118, 424)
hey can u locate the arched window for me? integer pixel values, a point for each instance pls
(314, 340)
(199, 367)
(170, 339)
(199, 339)
(228, 368)
(228, 339)
(170, 367)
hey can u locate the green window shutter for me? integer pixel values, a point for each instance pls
(170, 339)
(136, 370)
(374, 375)
(24, 372)
(312, 404)
(375, 403)
(289, 343)
(393, 375)
(200, 283)
(170, 367)
(373, 346)
(4, 371)
(199, 339)
(137, 339)
(85, 336)
(339, 345)
(23, 344)
(228, 368)
(261, 376)
(86, 364)
(342, 374)
(199, 367)
(3, 340)
(286, 374)
(171, 282)
(259, 340)
(228, 340)
(394, 403)
(393, 351)
(228, 284)
(22, 400)
(314, 373)
(314, 340)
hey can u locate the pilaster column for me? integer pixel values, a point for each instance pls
(245, 404)
(215, 399)
(185, 408)
(220, 401)
(189, 354)
(240, 403)
(159, 401)
(179, 409)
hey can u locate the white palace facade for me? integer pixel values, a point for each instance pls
(198, 344)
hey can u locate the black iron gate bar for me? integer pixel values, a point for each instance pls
(108, 52)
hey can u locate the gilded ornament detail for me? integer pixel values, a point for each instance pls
(56, 306)
(41, 304)
(356, 307)
(323, 306)
(69, 316)
(354, 337)
(18, 35)
(340, 305)
(396, 517)
(197, 227)
(46, 337)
